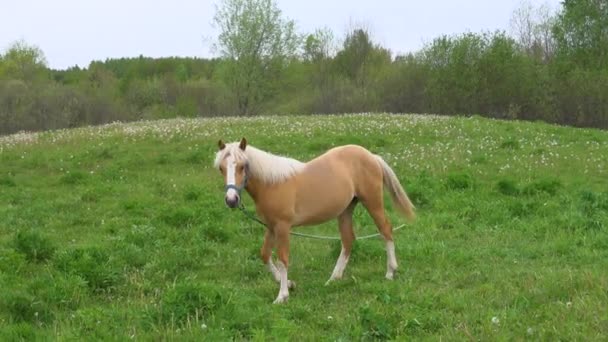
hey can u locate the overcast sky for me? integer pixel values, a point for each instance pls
(74, 32)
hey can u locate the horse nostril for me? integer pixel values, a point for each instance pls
(232, 202)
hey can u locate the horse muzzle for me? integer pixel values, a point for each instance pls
(232, 201)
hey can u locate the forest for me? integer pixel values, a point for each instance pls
(550, 66)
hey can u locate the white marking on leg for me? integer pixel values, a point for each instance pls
(340, 266)
(273, 269)
(284, 287)
(391, 260)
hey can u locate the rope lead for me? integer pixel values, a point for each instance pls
(311, 236)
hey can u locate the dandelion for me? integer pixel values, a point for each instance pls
(495, 320)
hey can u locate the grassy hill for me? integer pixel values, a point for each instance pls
(120, 232)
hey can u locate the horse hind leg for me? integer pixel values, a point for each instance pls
(375, 207)
(347, 235)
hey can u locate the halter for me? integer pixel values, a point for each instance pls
(243, 186)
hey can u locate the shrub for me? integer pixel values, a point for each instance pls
(507, 187)
(11, 261)
(510, 145)
(93, 264)
(7, 181)
(58, 291)
(24, 307)
(21, 331)
(33, 245)
(548, 186)
(192, 194)
(459, 181)
(376, 326)
(592, 202)
(188, 301)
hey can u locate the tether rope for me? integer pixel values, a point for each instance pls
(312, 236)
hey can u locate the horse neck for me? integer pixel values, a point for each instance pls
(253, 188)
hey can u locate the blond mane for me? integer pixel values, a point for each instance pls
(266, 167)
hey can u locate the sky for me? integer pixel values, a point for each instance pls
(75, 32)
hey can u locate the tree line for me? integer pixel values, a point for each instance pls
(551, 66)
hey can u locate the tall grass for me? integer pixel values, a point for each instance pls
(120, 232)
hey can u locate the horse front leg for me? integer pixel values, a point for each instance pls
(266, 253)
(281, 232)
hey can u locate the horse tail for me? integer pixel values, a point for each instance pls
(400, 198)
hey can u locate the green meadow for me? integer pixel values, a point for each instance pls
(120, 232)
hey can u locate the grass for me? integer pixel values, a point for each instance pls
(120, 232)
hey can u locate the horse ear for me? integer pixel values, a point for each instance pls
(243, 144)
(221, 145)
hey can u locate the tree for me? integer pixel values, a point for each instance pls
(319, 45)
(360, 59)
(533, 30)
(23, 62)
(582, 32)
(319, 50)
(256, 43)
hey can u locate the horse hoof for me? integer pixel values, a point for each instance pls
(291, 284)
(280, 300)
(331, 280)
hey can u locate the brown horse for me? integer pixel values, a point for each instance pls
(289, 193)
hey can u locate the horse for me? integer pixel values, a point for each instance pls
(290, 193)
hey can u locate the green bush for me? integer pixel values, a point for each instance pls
(376, 326)
(545, 185)
(35, 246)
(488, 73)
(59, 291)
(93, 264)
(187, 301)
(459, 181)
(507, 187)
(24, 307)
(7, 181)
(12, 261)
